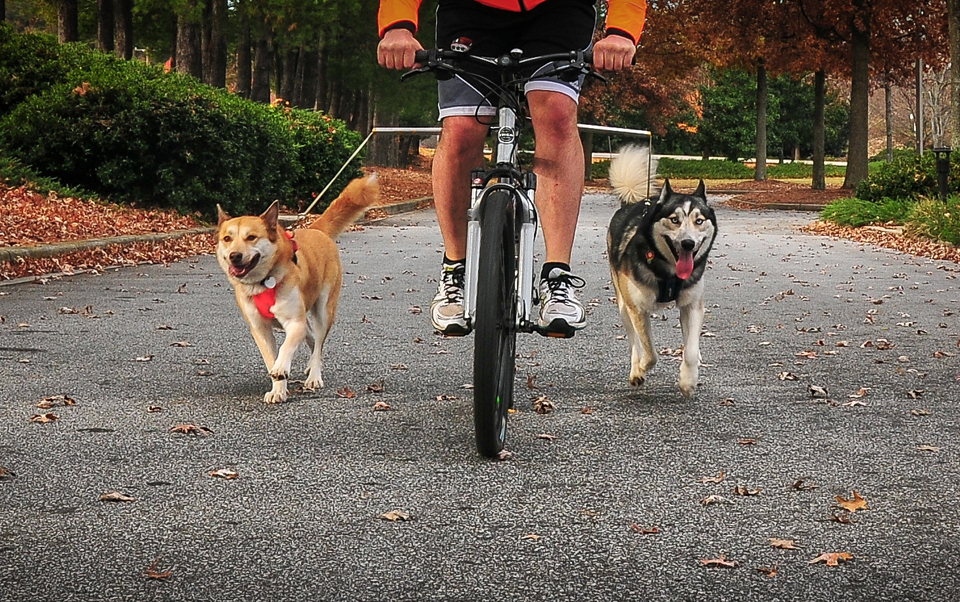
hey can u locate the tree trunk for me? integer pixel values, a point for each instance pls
(123, 29)
(953, 11)
(383, 148)
(244, 61)
(290, 60)
(857, 159)
(323, 87)
(105, 25)
(67, 25)
(306, 92)
(3, 11)
(189, 55)
(215, 51)
(819, 130)
(262, 66)
(760, 171)
(888, 116)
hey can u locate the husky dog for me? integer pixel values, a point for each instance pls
(658, 249)
(290, 280)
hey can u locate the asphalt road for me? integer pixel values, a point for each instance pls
(562, 519)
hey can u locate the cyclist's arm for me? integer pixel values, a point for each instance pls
(624, 25)
(397, 14)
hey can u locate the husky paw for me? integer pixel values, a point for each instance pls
(688, 390)
(638, 380)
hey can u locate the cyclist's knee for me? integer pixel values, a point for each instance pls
(554, 115)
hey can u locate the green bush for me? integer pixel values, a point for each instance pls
(803, 171)
(712, 169)
(934, 219)
(908, 177)
(856, 212)
(132, 133)
(29, 64)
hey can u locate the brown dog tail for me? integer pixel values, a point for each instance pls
(350, 205)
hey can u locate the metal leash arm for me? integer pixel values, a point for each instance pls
(413, 131)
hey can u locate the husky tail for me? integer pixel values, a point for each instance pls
(350, 205)
(630, 175)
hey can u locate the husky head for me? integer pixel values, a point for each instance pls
(246, 245)
(683, 228)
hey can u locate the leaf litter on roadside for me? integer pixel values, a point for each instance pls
(191, 429)
(832, 558)
(116, 496)
(853, 504)
(56, 400)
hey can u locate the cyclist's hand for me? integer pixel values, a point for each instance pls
(397, 49)
(613, 53)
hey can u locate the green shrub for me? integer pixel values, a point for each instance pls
(803, 171)
(935, 219)
(858, 212)
(131, 133)
(908, 177)
(710, 169)
(29, 64)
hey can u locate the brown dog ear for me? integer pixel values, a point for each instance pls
(221, 215)
(271, 215)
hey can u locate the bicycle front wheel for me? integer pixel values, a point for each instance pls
(495, 330)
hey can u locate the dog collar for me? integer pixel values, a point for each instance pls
(295, 246)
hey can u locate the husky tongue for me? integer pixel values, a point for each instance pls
(684, 265)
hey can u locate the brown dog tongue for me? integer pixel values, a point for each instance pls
(684, 265)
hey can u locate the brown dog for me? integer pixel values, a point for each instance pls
(290, 280)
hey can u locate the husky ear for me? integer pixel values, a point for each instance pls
(271, 215)
(701, 191)
(221, 215)
(666, 192)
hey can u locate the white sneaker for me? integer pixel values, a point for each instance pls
(561, 313)
(446, 309)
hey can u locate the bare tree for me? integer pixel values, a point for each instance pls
(189, 55)
(215, 45)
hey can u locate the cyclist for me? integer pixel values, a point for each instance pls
(492, 28)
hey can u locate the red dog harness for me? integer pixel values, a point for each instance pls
(268, 298)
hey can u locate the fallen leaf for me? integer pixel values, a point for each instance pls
(920, 412)
(745, 441)
(143, 358)
(928, 448)
(717, 479)
(395, 515)
(713, 499)
(530, 381)
(504, 455)
(587, 410)
(746, 491)
(543, 405)
(728, 401)
(719, 562)
(44, 418)
(530, 537)
(6, 475)
(381, 406)
(915, 393)
(116, 496)
(787, 376)
(346, 393)
(153, 572)
(377, 387)
(769, 571)
(817, 392)
(832, 558)
(852, 505)
(644, 530)
(416, 309)
(547, 437)
(783, 544)
(843, 518)
(191, 429)
(56, 400)
(802, 485)
(181, 344)
(154, 409)
(224, 473)
(861, 392)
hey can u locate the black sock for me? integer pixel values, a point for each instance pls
(547, 267)
(448, 261)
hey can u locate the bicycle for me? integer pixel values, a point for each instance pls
(499, 290)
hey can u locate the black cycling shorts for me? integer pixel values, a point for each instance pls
(554, 26)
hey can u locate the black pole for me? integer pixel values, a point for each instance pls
(943, 170)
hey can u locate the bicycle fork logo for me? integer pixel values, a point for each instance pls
(506, 135)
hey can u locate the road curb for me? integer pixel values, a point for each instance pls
(11, 254)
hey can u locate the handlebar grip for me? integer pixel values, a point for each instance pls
(422, 56)
(588, 56)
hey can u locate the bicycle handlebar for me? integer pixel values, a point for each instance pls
(439, 60)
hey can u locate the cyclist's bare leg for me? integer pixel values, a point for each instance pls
(558, 156)
(459, 150)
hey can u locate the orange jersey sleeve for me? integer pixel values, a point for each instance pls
(396, 11)
(627, 16)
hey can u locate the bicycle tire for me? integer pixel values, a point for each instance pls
(494, 358)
